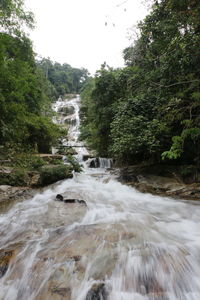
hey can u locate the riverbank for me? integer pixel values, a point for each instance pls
(163, 180)
(22, 170)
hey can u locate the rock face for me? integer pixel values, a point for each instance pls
(10, 194)
(159, 181)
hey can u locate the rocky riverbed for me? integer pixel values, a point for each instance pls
(160, 180)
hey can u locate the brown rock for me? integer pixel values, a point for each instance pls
(97, 292)
(169, 183)
(65, 292)
(5, 257)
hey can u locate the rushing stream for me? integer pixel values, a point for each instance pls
(124, 245)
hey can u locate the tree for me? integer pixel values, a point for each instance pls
(13, 16)
(154, 102)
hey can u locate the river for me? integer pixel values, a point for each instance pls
(124, 245)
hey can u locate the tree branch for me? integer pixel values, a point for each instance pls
(173, 84)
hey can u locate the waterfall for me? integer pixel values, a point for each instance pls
(105, 162)
(124, 245)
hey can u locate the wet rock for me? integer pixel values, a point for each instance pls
(60, 198)
(150, 285)
(10, 193)
(76, 257)
(158, 296)
(97, 292)
(93, 163)
(4, 188)
(66, 110)
(5, 257)
(65, 292)
(70, 121)
(74, 201)
(169, 184)
(86, 157)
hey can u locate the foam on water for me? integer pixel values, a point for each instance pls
(142, 247)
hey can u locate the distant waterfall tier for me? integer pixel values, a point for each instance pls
(100, 162)
(120, 245)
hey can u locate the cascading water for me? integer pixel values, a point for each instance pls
(105, 162)
(124, 245)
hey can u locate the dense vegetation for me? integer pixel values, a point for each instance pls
(27, 86)
(150, 110)
(62, 79)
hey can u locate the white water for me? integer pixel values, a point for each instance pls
(142, 247)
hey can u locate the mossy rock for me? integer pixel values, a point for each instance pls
(52, 173)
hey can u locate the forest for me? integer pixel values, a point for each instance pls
(28, 85)
(150, 109)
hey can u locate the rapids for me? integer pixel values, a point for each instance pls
(124, 245)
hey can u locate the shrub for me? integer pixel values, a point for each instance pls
(52, 173)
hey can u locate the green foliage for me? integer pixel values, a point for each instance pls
(27, 87)
(42, 133)
(52, 173)
(75, 164)
(22, 97)
(176, 149)
(97, 110)
(17, 177)
(133, 114)
(13, 16)
(187, 171)
(66, 150)
(27, 161)
(62, 79)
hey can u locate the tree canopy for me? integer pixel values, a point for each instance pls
(13, 16)
(150, 109)
(27, 86)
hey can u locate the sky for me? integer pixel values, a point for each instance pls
(84, 33)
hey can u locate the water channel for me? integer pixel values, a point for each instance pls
(124, 245)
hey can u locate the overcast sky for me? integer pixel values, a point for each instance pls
(84, 33)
